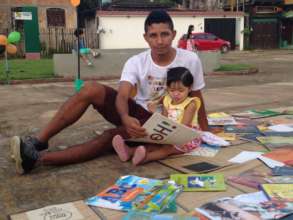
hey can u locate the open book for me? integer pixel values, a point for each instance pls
(162, 130)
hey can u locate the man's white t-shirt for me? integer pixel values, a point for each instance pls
(150, 78)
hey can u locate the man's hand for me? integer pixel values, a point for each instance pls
(133, 127)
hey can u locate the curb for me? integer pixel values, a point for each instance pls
(250, 71)
(55, 80)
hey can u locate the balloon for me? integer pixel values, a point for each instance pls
(75, 3)
(13, 37)
(11, 49)
(2, 49)
(3, 40)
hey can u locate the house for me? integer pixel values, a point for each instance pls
(124, 29)
(39, 22)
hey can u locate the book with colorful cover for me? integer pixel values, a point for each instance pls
(284, 155)
(137, 193)
(220, 118)
(278, 191)
(241, 128)
(275, 141)
(254, 114)
(250, 206)
(200, 182)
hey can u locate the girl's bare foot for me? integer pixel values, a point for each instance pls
(139, 155)
(121, 148)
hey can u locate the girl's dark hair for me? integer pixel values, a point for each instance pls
(156, 17)
(189, 31)
(78, 32)
(181, 74)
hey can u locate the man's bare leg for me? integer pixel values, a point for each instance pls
(73, 109)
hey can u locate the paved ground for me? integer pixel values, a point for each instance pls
(27, 108)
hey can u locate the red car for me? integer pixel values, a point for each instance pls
(206, 41)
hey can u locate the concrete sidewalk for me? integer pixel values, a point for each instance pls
(27, 108)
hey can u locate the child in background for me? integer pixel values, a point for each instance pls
(178, 106)
(84, 51)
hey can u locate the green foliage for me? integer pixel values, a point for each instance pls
(234, 67)
(27, 69)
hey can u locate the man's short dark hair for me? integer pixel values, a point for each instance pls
(156, 17)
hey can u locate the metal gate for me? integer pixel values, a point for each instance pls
(222, 27)
(265, 33)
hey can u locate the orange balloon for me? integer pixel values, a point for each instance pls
(75, 3)
(3, 40)
(11, 49)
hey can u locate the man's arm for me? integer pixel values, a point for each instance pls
(131, 124)
(202, 117)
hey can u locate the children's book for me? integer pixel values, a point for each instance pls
(275, 141)
(137, 193)
(249, 178)
(200, 182)
(162, 130)
(279, 191)
(251, 206)
(254, 114)
(284, 155)
(77, 210)
(204, 150)
(220, 118)
(241, 128)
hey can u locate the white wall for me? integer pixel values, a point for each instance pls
(120, 32)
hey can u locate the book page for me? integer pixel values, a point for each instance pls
(162, 130)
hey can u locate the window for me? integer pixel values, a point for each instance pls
(199, 36)
(55, 17)
(211, 37)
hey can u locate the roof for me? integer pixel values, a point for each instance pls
(178, 13)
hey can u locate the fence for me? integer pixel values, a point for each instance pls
(57, 40)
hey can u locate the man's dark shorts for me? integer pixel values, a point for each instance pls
(109, 112)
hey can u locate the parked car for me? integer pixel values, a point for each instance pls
(206, 41)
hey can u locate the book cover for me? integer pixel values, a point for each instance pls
(241, 128)
(220, 118)
(284, 155)
(254, 114)
(77, 210)
(279, 191)
(200, 182)
(251, 206)
(137, 193)
(162, 130)
(249, 178)
(275, 141)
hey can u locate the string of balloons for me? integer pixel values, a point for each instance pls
(8, 43)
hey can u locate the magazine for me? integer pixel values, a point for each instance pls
(279, 191)
(251, 206)
(241, 128)
(162, 130)
(137, 193)
(200, 182)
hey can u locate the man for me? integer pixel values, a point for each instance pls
(145, 72)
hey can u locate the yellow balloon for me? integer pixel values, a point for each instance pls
(3, 40)
(75, 3)
(11, 49)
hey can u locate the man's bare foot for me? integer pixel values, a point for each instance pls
(121, 148)
(139, 155)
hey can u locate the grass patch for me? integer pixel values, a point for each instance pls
(234, 67)
(21, 69)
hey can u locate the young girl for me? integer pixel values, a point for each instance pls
(178, 106)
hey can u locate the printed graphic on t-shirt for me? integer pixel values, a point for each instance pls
(156, 86)
(174, 114)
